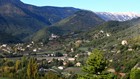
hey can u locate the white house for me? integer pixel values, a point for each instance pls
(130, 49)
(72, 50)
(4, 45)
(88, 53)
(71, 59)
(78, 64)
(111, 60)
(61, 67)
(34, 50)
(107, 34)
(111, 70)
(54, 36)
(102, 31)
(124, 42)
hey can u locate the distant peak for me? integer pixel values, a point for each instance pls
(118, 16)
(120, 13)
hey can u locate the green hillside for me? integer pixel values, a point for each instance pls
(80, 21)
(22, 20)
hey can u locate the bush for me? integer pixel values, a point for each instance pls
(135, 74)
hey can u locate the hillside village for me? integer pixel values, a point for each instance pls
(65, 57)
(48, 42)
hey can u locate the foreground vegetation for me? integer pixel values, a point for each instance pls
(96, 67)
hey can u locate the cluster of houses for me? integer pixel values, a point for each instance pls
(64, 58)
(65, 61)
(53, 36)
(21, 48)
(5, 48)
(101, 34)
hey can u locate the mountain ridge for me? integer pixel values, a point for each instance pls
(80, 21)
(21, 20)
(117, 16)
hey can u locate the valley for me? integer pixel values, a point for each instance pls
(67, 43)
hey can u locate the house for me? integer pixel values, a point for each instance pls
(4, 45)
(130, 49)
(28, 46)
(49, 61)
(32, 42)
(34, 50)
(88, 53)
(101, 31)
(77, 55)
(61, 67)
(107, 34)
(51, 55)
(64, 63)
(78, 42)
(111, 60)
(22, 49)
(71, 59)
(72, 50)
(124, 42)
(112, 70)
(78, 64)
(118, 51)
(54, 36)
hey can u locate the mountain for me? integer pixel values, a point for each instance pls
(80, 21)
(122, 16)
(110, 38)
(8, 38)
(112, 32)
(22, 20)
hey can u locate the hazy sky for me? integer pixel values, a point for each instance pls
(94, 5)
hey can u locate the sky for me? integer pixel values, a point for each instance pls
(93, 5)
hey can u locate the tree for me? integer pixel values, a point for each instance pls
(135, 74)
(17, 65)
(58, 54)
(95, 63)
(32, 69)
(24, 61)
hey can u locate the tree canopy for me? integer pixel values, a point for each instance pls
(95, 63)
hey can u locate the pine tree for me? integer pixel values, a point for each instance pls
(95, 63)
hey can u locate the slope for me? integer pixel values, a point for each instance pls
(112, 32)
(22, 20)
(80, 21)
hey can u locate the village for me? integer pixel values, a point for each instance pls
(48, 60)
(68, 58)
